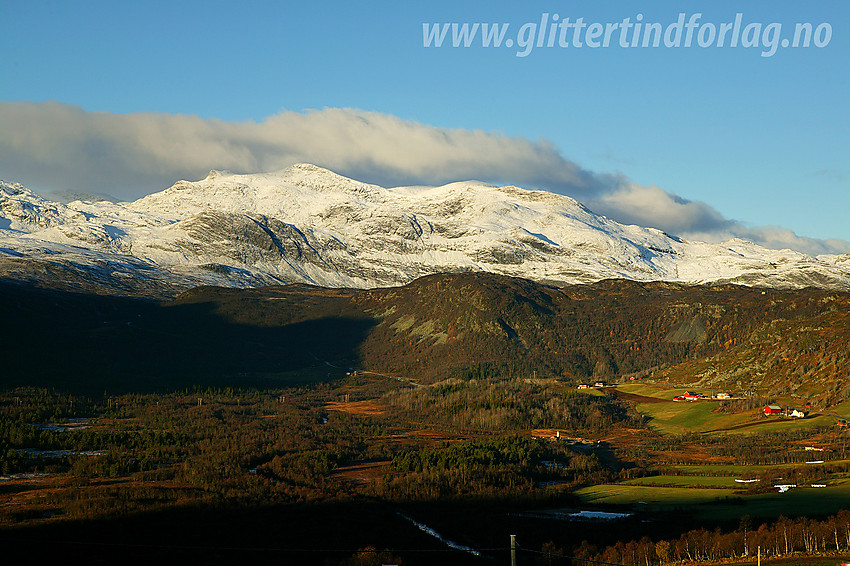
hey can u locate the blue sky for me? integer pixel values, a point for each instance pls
(762, 141)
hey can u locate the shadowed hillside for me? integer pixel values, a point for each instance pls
(92, 342)
(440, 326)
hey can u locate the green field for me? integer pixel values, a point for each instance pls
(720, 504)
(623, 494)
(659, 391)
(671, 417)
(710, 490)
(796, 502)
(712, 482)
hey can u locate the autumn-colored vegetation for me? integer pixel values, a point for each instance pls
(316, 403)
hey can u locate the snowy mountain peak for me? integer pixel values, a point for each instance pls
(308, 224)
(22, 209)
(12, 189)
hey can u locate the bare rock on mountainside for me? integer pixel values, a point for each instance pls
(306, 224)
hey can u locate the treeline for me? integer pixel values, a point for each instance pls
(782, 537)
(207, 445)
(280, 446)
(500, 467)
(510, 404)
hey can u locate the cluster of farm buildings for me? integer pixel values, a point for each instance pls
(691, 396)
(598, 384)
(771, 410)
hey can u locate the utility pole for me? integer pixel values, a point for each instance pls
(513, 550)
(759, 557)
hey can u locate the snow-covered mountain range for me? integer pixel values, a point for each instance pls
(309, 225)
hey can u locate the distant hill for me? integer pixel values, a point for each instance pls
(439, 326)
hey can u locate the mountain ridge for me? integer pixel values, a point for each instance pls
(306, 224)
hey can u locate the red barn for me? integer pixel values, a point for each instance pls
(772, 410)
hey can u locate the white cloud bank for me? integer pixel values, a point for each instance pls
(54, 146)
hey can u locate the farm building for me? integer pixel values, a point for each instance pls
(582, 386)
(798, 414)
(772, 410)
(691, 396)
(723, 396)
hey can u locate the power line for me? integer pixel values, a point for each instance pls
(515, 546)
(243, 548)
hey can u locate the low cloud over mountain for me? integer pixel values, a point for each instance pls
(53, 146)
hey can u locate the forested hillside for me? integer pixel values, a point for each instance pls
(438, 327)
(806, 358)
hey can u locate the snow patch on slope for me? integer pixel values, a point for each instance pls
(307, 224)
